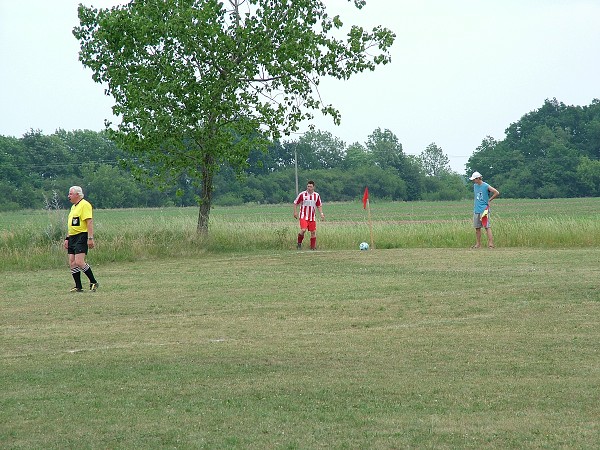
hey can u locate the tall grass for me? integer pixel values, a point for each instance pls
(34, 239)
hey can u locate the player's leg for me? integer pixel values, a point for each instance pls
(488, 230)
(490, 237)
(76, 273)
(303, 228)
(312, 227)
(477, 238)
(86, 269)
(477, 225)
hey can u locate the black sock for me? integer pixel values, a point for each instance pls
(76, 272)
(88, 273)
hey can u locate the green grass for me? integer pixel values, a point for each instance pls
(32, 240)
(218, 343)
(399, 348)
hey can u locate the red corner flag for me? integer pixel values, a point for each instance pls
(365, 198)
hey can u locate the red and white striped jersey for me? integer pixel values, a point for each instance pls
(308, 205)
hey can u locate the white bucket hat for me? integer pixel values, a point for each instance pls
(475, 175)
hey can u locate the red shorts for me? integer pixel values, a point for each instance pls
(310, 225)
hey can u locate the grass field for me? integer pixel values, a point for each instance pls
(427, 346)
(32, 240)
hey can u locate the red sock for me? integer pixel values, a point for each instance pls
(300, 238)
(313, 242)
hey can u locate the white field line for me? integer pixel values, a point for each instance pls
(417, 324)
(110, 347)
(136, 345)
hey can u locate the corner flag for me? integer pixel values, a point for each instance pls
(365, 197)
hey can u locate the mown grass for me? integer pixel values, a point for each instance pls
(399, 348)
(33, 239)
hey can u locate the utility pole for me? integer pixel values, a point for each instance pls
(296, 169)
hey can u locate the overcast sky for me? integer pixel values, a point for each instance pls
(461, 69)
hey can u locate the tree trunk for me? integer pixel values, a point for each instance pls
(205, 197)
(203, 217)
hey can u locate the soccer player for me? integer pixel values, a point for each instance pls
(308, 201)
(80, 237)
(481, 210)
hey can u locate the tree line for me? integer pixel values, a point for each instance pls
(37, 170)
(551, 152)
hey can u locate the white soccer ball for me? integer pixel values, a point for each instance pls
(363, 246)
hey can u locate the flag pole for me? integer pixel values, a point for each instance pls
(367, 206)
(370, 223)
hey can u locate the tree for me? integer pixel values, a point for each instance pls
(199, 83)
(386, 150)
(446, 187)
(327, 149)
(48, 156)
(434, 162)
(588, 176)
(13, 155)
(87, 145)
(482, 159)
(544, 153)
(356, 156)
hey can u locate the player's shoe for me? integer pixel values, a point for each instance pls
(76, 289)
(299, 246)
(94, 286)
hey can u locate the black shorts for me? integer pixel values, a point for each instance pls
(78, 244)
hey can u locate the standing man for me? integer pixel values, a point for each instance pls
(308, 201)
(80, 237)
(481, 208)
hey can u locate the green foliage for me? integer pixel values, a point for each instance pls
(192, 98)
(386, 150)
(447, 187)
(357, 156)
(545, 153)
(588, 175)
(548, 162)
(434, 162)
(37, 167)
(320, 150)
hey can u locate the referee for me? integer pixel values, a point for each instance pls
(80, 237)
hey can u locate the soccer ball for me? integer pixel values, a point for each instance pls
(363, 246)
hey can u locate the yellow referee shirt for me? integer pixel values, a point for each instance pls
(80, 212)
